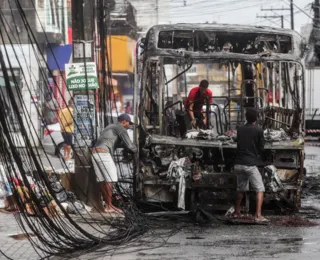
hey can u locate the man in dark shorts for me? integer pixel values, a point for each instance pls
(250, 144)
(66, 124)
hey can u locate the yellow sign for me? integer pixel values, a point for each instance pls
(121, 49)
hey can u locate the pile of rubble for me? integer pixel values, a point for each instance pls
(270, 135)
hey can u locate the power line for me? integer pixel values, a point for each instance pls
(297, 8)
(281, 16)
(272, 16)
(297, 12)
(212, 12)
(202, 7)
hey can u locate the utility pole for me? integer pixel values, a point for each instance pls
(316, 9)
(284, 9)
(272, 16)
(292, 18)
(314, 37)
(157, 10)
(84, 183)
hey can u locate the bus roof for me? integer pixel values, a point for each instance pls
(226, 27)
(160, 41)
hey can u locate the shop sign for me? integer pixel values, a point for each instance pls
(81, 76)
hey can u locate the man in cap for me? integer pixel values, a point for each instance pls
(105, 169)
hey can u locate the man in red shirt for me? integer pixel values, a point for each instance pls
(193, 104)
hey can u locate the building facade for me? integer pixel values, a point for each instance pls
(26, 43)
(151, 12)
(121, 44)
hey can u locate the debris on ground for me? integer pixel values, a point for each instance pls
(284, 221)
(292, 221)
(21, 236)
(243, 220)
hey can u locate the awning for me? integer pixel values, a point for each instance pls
(3, 83)
(58, 56)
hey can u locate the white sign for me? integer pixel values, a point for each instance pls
(80, 53)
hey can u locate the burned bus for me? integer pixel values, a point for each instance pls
(245, 66)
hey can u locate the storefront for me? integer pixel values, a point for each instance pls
(57, 58)
(25, 71)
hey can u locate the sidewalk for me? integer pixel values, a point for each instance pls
(15, 249)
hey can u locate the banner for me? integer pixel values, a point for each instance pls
(81, 77)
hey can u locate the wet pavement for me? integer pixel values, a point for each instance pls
(223, 242)
(216, 241)
(311, 188)
(312, 160)
(239, 242)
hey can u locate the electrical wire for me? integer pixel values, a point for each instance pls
(287, 2)
(46, 246)
(62, 240)
(63, 234)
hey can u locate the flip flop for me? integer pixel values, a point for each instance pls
(117, 210)
(108, 210)
(237, 216)
(261, 220)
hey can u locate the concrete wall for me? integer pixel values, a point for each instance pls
(13, 21)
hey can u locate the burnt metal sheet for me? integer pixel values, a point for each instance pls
(158, 194)
(169, 140)
(297, 53)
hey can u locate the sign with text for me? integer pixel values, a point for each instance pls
(84, 116)
(81, 76)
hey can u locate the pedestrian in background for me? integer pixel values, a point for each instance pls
(50, 109)
(128, 108)
(102, 152)
(66, 124)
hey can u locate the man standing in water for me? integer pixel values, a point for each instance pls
(105, 169)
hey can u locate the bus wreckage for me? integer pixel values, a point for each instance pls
(245, 66)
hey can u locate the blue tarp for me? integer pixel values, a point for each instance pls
(58, 56)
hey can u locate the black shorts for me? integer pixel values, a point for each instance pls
(67, 137)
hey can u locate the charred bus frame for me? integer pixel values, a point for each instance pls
(263, 68)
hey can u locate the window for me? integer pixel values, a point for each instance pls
(11, 116)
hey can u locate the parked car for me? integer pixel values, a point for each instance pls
(53, 142)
